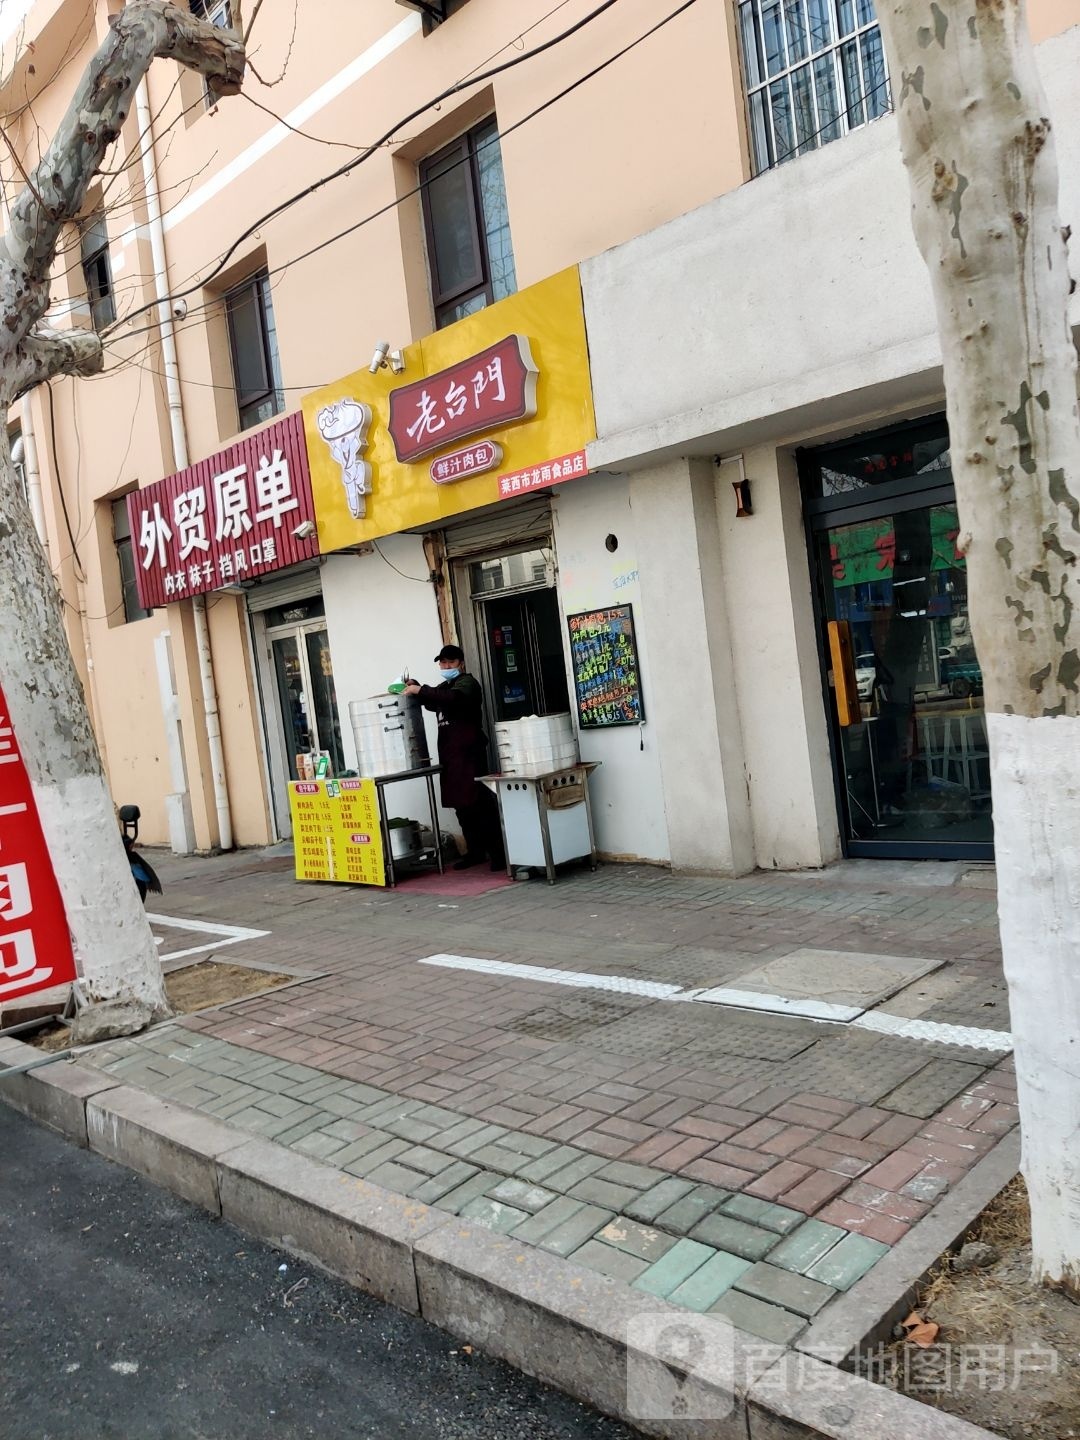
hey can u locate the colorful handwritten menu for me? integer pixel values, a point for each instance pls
(603, 652)
(336, 833)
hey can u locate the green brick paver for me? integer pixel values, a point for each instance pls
(707, 1284)
(318, 1145)
(582, 1226)
(530, 1198)
(635, 1239)
(439, 1185)
(392, 1176)
(783, 1287)
(472, 1189)
(637, 1177)
(654, 1201)
(669, 1272)
(565, 1177)
(780, 1218)
(533, 1230)
(371, 1159)
(848, 1261)
(735, 1236)
(492, 1215)
(609, 1261)
(595, 1191)
(422, 1157)
(768, 1322)
(691, 1209)
(805, 1246)
(546, 1165)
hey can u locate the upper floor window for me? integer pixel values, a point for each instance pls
(125, 557)
(815, 69)
(97, 271)
(214, 12)
(17, 450)
(468, 226)
(253, 343)
(433, 11)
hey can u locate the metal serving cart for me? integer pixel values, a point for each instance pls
(547, 818)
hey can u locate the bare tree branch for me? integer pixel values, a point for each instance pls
(142, 31)
(46, 353)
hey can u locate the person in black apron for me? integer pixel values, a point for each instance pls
(463, 755)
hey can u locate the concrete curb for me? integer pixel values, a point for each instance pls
(631, 1356)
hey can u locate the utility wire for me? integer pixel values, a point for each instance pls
(369, 150)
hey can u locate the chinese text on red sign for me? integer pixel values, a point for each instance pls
(227, 519)
(484, 392)
(35, 946)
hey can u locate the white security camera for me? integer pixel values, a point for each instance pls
(306, 530)
(179, 309)
(384, 357)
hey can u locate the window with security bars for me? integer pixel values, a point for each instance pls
(814, 69)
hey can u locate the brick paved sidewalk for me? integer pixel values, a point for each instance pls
(748, 1163)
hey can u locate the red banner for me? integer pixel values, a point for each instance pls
(541, 477)
(225, 520)
(484, 392)
(35, 946)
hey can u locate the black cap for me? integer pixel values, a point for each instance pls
(450, 652)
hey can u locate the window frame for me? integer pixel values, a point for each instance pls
(99, 296)
(466, 150)
(219, 14)
(257, 285)
(123, 544)
(760, 127)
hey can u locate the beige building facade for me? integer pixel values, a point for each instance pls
(727, 186)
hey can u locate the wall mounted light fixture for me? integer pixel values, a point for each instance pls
(743, 501)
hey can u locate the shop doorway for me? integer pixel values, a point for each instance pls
(913, 769)
(299, 697)
(513, 624)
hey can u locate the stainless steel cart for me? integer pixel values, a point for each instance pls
(423, 772)
(546, 819)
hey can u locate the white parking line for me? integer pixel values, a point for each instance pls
(223, 934)
(968, 1037)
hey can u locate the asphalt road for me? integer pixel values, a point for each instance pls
(126, 1314)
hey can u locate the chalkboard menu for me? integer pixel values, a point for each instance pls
(603, 652)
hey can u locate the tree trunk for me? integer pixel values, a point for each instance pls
(112, 939)
(980, 157)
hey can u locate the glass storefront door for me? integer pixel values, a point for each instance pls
(519, 626)
(913, 764)
(303, 674)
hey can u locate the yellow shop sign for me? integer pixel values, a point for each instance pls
(493, 407)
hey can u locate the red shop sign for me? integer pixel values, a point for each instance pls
(484, 392)
(459, 464)
(226, 519)
(35, 945)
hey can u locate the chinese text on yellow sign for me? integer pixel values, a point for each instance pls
(336, 833)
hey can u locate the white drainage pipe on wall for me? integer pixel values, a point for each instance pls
(180, 458)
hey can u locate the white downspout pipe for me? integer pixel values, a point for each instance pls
(180, 457)
(32, 471)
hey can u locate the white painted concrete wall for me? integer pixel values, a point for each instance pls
(380, 622)
(627, 791)
(776, 665)
(796, 301)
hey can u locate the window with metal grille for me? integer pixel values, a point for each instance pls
(125, 557)
(814, 69)
(97, 271)
(470, 254)
(253, 343)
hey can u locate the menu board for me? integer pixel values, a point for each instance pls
(336, 833)
(603, 652)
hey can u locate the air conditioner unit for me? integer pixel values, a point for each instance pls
(434, 11)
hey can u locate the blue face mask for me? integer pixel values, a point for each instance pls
(449, 674)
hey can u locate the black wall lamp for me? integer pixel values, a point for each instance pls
(743, 502)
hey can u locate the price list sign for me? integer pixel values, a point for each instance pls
(336, 834)
(603, 652)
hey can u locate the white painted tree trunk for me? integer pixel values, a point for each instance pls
(980, 156)
(112, 939)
